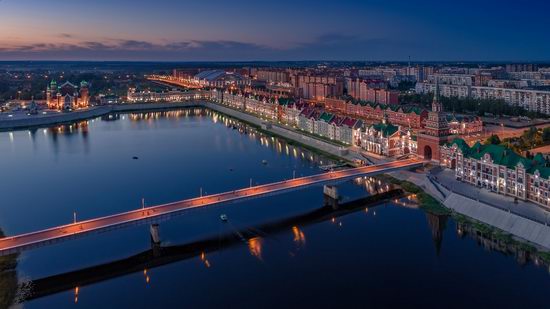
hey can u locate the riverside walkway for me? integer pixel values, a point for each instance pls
(17, 243)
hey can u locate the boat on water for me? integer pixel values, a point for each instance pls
(264, 162)
(223, 217)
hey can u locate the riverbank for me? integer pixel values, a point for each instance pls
(332, 150)
(39, 120)
(498, 223)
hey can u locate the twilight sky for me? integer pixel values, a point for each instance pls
(194, 30)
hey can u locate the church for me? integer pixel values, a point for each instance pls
(67, 96)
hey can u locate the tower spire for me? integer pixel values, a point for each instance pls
(436, 106)
(436, 94)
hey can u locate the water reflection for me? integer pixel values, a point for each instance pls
(299, 236)
(166, 255)
(82, 129)
(437, 224)
(170, 254)
(205, 260)
(373, 185)
(255, 247)
(8, 279)
(281, 146)
(503, 243)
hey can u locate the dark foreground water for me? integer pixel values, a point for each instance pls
(281, 251)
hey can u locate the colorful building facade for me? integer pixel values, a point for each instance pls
(67, 96)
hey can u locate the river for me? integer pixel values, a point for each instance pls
(279, 251)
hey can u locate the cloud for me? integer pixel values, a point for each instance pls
(118, 49)
(330, 46)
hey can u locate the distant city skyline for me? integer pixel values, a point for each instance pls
(217, 30)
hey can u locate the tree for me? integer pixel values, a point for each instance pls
(493, 140)
(546, 135)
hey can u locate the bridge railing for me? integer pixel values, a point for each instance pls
(231, 196)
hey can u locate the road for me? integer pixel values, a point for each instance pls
(173, 81)
(21, 242)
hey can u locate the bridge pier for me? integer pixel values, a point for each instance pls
(332, 197)
(155, 234)
(331, 191)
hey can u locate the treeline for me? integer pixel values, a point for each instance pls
(470, 105)
(115, 83)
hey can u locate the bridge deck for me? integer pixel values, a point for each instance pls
(21, 242)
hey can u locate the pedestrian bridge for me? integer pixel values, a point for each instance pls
(155, 214)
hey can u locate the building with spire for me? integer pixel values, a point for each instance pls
(436, 131)
(67, 96)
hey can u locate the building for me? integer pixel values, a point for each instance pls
(220, 79)
(372, 90)
(348, 130)
(464, 125)
(273, 75)
(322, 124)
(318, 87)
(387, 140)
(307, 119)
(499, 169)
(343, 129)
(135, 96)
(411, 117)
(531, 100)
(436, 131)
(284, 110)
(522, 67)
(67, 96)
(109, 99)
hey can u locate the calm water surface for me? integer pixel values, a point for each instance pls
(286, 250)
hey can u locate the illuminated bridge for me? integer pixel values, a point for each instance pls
(155, 214)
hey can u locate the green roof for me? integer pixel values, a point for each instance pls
(327, 117)
(387, 129)
(503, 155)
(285, 101)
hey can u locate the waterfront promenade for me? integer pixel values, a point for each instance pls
(288, 133)
(16, 243)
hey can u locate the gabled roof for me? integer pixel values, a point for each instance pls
(326, 117)
(285, 101)
(350, 122)
(386, 129)
(503, 155)
(337, 120)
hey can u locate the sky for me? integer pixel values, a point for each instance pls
(243, 30)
